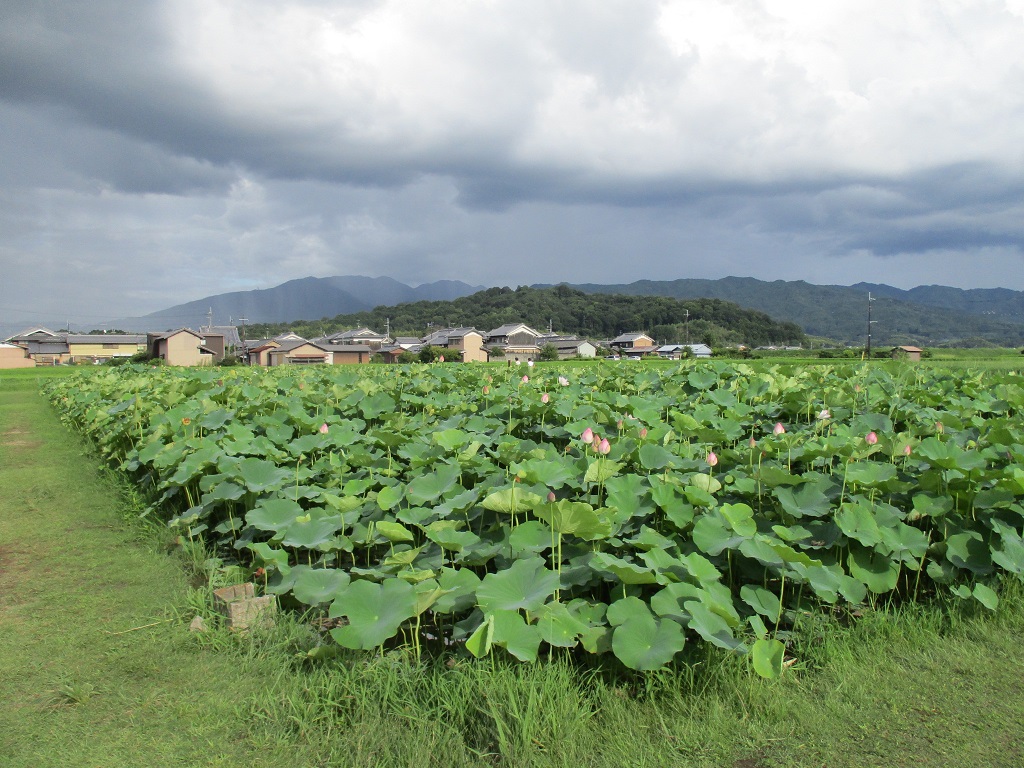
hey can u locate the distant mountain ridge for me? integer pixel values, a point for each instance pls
(306, 298)
(926, 315)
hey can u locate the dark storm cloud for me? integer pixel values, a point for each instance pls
(187, 147)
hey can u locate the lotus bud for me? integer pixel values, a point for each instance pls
(526, 379)
(778, 429)
(643, 432)
(323, 429)
(618, 424)
(587, 436)
(186, 421)
(440, 359)
(871, 438)
(752, 443)
(604, 448)
(551, 497)
(906, 450)
(940, 427)
(712, 459)
(544, 398)
(563, 381)
(486, 390)
(824, 414)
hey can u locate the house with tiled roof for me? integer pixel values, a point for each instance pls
(467, 343)
(363, 336)
(185, 347)
(513, 340)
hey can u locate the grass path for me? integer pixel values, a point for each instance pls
(81, 686)
(86, 681)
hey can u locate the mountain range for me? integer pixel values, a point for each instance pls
(926, 315)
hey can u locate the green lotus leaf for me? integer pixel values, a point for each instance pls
(878, 572)
(511, 632)
(646, 643)
(624, 571)
(450, 439)
(575, 519)
(429, 487)
(986, 596)
(479, 643)
(601, 469)
(761, 600)
(712, 537)
(389, 496)
(626, 608)
(274, 514)
(525, 585)
(268, 556)
(260, 476)
(858, 522)
(805, 501)
(710, 625)
(374, 611)
(552, 472)
(654, 458)
(460, 587)
(512, 500)
(314, 586)
(706, 483)
(870, 473)
(740, 518)
(394, 532)
(968, 550)
(532, 537)
(311, 533)
(767, 656)
(446, 534)
(559, 626)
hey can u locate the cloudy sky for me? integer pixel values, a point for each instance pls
(157, 152)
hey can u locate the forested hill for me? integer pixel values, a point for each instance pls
(926, 316)
(567, 310)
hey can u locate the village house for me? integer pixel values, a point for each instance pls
(364, 336)
(467, 343)
(185, 347)
(13, 356)
(513, 340)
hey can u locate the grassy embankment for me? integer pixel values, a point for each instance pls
(97, 667)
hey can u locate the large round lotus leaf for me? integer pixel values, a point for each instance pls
(645, 643)
(552, 471)
(968, 550)
(460, 587)
(428, 487)
(526, 585)
(654, 458)
(260, 476)
(511, 631)
(869, 473)
(314, 586)
(624, 571)
(311, 530)
(512, 500)
(804, 501)
(446, 534)
(389, 496)
(394, 532)
(274, 514)
(767, 656)
(761, 600)
(601, 469)
(858, 522)
(374, 611)
(532, 536)
(558, 626)
(740, 518)
(711, 535)
(709, 625)
(877, 571)
(574, 518)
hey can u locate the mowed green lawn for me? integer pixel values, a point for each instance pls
(98, 667)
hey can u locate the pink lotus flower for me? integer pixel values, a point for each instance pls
(643, 432)
(752, 443)
(323, 429)
(871, 438)
(940, 427)
(618, 424)
(906, 450)
(551, 497)
(778, 429)
(824, 414)
(526, 379)
(587, 436)
(441, 359)
(486, 390)
(712, 459)
(604, 447)
(563, 381)
(544, 398)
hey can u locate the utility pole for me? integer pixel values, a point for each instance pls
(245, 349)
(687, 327)
(870, 321)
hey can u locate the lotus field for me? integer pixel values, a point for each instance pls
(604, 509)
